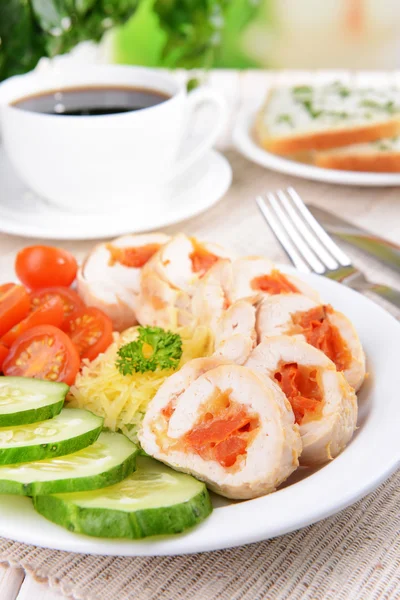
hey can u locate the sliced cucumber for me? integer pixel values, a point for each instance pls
(24, 400)
(154, 500)
(110, 459)
(68, 432)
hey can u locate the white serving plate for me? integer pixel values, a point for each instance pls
(307, 497)
(244, 141)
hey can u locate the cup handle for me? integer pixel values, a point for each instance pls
(195, 99)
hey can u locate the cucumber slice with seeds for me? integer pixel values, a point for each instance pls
(68, 432)
(110, 459)
(24, 400)
(154, 500)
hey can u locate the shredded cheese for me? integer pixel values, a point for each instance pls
(122, 399)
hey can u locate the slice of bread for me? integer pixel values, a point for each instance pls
(305, 118)
(380, 156)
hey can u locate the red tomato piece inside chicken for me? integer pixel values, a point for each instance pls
(223, 436)
(228, 450)
(302, 389)
(202, 259)
(135, 257)
(274, 283)
(320, 333)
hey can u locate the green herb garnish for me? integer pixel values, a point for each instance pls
(389, 106)
(386, 145)
(371, 104)
(314, 114)
(344, 92)
(338, 114)
(341, 89)
(154, 349)
(303, 95)
(302, 89)
(285, 119)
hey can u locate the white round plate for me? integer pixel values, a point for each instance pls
(195, 191)
(244, 141)
(307, 496)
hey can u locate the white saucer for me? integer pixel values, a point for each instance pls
(244, 142)
(24, 213)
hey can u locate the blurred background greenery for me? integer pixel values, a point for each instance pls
(205, 33)
(170, 33)
(144, 39)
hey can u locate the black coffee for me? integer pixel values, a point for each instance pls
(91, 101)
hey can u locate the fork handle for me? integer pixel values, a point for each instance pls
(386, 292)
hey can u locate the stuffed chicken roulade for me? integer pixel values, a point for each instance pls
(110, 275)
(226, 425)
(319, 325)
(169, 280)
(251, 278)
(323, 403)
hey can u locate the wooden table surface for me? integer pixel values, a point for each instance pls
(375, 209)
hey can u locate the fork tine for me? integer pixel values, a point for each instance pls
(303, 248)
(281, 236)
(324, 238)
(308, 234)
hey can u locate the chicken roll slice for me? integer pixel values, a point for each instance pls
(184, 260)
(235, 332)
(169, 280)
(110, 275)
(229, 427)
(161, 305)
(319, 325)
(250, 278)
(323, 403)
(212, 293)
(257, 275)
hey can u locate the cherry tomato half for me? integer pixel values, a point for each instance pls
(14, 305)
(49, 313)
(43, 352)
(3, 355)
(90, 330)
(41, 266)
(70, 299)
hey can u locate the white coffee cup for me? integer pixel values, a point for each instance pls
(94, 163)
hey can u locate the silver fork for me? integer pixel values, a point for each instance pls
(310, 248)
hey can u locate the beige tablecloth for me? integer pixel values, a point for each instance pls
(353, 555)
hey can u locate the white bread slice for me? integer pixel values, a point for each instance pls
(305, 118)
(380, 156)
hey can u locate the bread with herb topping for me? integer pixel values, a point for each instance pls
(381, 156)
(303, 118)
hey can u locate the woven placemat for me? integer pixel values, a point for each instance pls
(354, 555)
